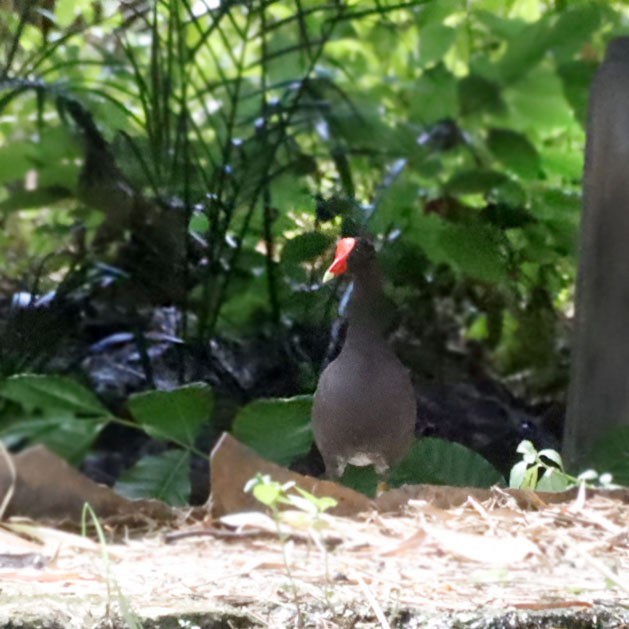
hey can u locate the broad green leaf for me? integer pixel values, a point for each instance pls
(474, 250)
(434, 96)
(442, 462)
(14, 161)
(515, 151)
(562, 164)
(176, 415)
(363, 479)
(434, 42)
(46, 393)
(525, 50)
(498, 26)
(277, 429)
(478, 95)
(305, 247)
(470, 249)
(574, 27)
(430, 12)
(537, 102)
(611, 455)
(576, 79)
(475, 182)
(66, 11)
(164, 477)
(69, 437)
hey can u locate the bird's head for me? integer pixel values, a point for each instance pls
(352, 255)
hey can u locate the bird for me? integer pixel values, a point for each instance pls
(364, 408)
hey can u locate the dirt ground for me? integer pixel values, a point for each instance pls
(482, 564)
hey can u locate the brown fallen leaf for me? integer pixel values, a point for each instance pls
(232, 464)
(45, 487)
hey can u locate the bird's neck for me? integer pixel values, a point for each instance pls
(367, 312)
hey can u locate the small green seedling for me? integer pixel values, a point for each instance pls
(543, 470)
(274, 494)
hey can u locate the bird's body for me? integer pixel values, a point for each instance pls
(364, 407)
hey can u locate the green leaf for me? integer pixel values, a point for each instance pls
(574, 28)
(164, 477)
(442, 462)
(270, 494)
(517, 475)
(611, 455)
(576, 79)
(515, 151)
(67, 436)
(553, 480)
(434, 42)
(473, 250)
(14, 161)
(475, 182)
(436, 12)
(305, 247)
(65, 12)
(527, 449)
(277, 429)
(176, 415)
(537, 102)
(363, 479)
(34, 199)
(525, 50)
(46, 393)
(551, 455)
(477, 94)
(321, 504)
(434, 96)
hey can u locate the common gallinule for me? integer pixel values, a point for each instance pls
(364, 407)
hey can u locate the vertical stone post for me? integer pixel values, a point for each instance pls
(599, 387)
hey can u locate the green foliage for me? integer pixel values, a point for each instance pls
(362, 479)
(278, 429)
(274, 495)
(52, 410)
(440, 462)
(541, 470)
(611, 454)
(431, 461)
(164, 476)
(272, 127)
(175, 415)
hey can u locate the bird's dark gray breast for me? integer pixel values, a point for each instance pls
(364, 408)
